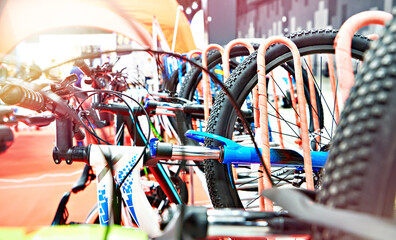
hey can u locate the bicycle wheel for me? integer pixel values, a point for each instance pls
(194, 76)
(224, 189)
(171, 84)
(189, 87)
(360, 170)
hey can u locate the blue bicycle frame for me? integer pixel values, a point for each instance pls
(237, 154)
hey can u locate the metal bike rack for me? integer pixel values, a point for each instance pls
(262, 102)
(333, 85)
(343, 44)
(312, 95)
(192, 53)
(226, 74)
(294, 104)
(226, 55)
(206, 79)
(282, 145)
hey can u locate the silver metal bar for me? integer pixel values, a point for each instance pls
(247, 186)
(195, 153)
(245, 180)
(240, 223)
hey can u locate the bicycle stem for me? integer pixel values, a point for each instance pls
(64, 135)
(64, 149)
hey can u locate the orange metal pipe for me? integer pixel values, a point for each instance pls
(343, 44)
(293, 99)
(313, 98)
(333, 81)
(226, 74)
(294, 105)
(256, 117)
(333, 85)
(226, 55)
(373, 36)
(206, 80)
(192, 53)
(263, 109)
(256, 111)
(277, 112)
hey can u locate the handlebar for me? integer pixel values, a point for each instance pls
(83, 67)
(196, 109)
(37, 101)
(23, 97)
(228, 152)
(39, 121)
(118, 108)
(66, 120)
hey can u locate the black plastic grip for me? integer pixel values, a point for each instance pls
(193, 108)
(23, 97)
(83, 67)
(39, 121)
(118, 108)
(164, 150)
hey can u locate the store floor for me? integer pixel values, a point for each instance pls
(31, 184)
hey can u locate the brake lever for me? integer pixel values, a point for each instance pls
(66, 87)
(86, 177)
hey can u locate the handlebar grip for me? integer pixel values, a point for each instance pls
(23, 97)
(193, 108)
(39, 121)
(83, 67)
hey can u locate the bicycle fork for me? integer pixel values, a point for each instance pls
(229, 152)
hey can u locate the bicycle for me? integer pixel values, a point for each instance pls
(96, 155)
(160, 195)
(224, 122)
(327, 47)
(81, 153)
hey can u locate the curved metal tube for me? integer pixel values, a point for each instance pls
(263, 109)
(313, 98)
(206, 79)
(226, 55)
(343, 44)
